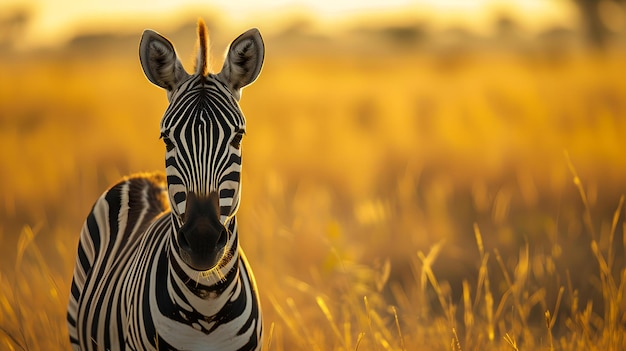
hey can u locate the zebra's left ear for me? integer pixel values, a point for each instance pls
(160, 62)
(243, 62)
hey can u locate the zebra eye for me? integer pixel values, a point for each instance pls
(169, 145)
(236, 142)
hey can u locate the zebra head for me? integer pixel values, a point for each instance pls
(202, 130)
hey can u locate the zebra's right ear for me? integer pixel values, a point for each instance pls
(160, 62)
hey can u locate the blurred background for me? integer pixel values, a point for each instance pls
(415, 172)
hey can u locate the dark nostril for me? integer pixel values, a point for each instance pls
(182, 241)
(221, 240)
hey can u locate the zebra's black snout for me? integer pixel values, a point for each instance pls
(202, 237)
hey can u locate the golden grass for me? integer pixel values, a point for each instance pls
(390, 202)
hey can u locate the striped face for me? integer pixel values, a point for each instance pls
(202, 130)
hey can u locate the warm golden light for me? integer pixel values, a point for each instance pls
(417, 175)
(54, 22)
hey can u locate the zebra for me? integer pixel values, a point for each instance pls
(158, 264)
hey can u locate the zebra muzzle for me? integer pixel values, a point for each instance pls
(202, 237)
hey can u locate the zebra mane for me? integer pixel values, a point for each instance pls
(202, 61)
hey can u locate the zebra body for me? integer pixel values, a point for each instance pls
(159, 265)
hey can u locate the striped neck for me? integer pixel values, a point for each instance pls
(190, 303)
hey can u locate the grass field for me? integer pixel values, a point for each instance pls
(391, 201)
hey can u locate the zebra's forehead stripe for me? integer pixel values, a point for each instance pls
(202, 93)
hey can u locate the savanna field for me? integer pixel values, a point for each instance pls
(394, 198)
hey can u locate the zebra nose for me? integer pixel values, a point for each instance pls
(202, 237)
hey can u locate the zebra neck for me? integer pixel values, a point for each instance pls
(183, 296)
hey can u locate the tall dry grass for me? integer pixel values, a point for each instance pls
(390, 201)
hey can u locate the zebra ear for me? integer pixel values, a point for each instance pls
(243, 62)
(159, 61)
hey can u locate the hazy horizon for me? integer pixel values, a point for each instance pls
(53, 24)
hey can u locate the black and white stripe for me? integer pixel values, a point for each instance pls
(198, 156)
(141, 282)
